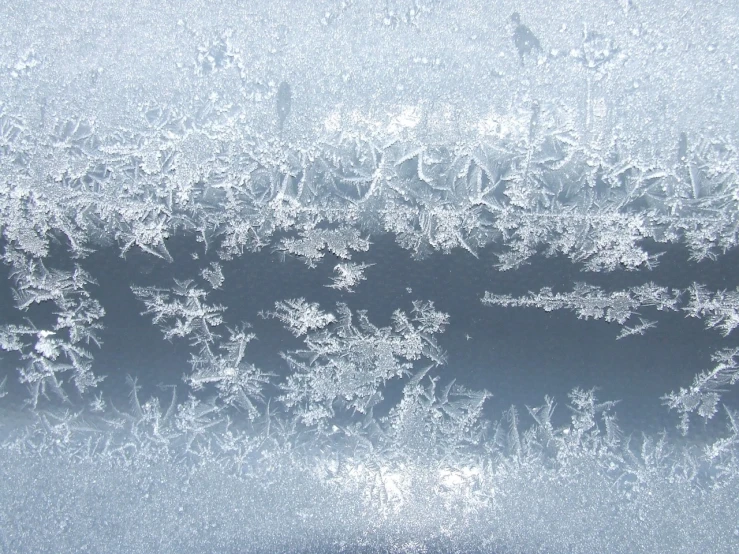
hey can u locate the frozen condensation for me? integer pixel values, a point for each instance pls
(272, 188)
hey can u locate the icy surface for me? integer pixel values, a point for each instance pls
(315, 276)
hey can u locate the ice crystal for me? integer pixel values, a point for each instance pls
(187, 141)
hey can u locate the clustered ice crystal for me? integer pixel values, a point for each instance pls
(124, 132)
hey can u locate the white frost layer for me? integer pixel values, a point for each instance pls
(95, 507)
(636, 72)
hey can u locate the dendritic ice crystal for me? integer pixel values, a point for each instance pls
(271, 269)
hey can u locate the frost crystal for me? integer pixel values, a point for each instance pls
(182, 311)
(593, 302)
(50, 352)
(704, 394)
(603, 136)
(348, 276)
(345, 364)
(300, 316)
(214, 275)
(719, 309)
(238, 382)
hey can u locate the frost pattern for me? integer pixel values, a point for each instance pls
(429, 423)
(384, 467)
(704, 394)
(538, 187)
(50, 352)
(348, 276)
(532, 184)
(719, 309)
(311, 245)
(214, 275)
(301, 317)
(638, 329)
(183, 312)
(345, 364)
(590, 301)
(544, 176)
(238, 382)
